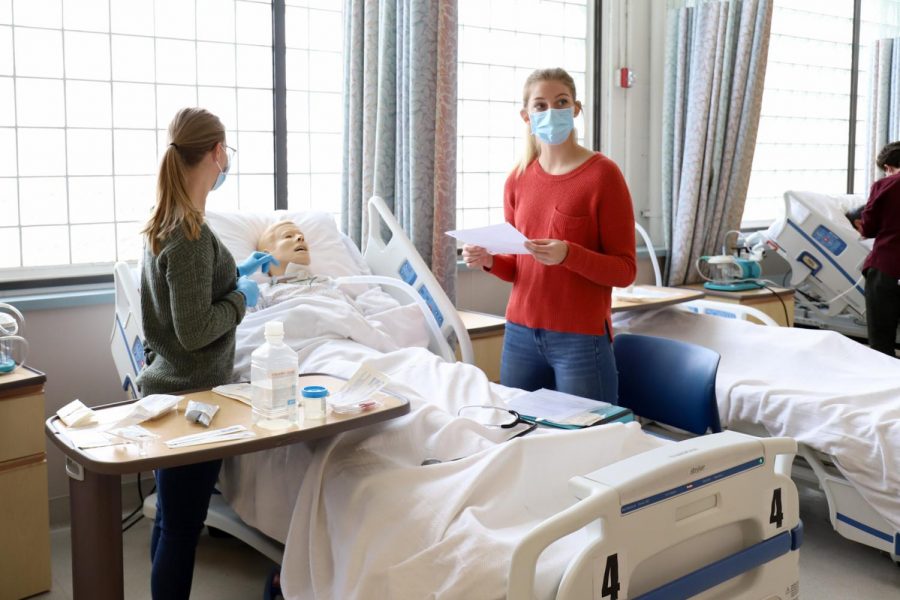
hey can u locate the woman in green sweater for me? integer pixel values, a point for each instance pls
(192, 298)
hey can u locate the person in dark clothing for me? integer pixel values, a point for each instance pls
(193, 296)
(880, 219)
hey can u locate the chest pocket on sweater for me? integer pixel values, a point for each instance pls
(571, 228)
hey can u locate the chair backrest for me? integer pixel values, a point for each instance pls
(668, 381)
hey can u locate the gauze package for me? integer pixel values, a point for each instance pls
(200, 412)
(149, 408)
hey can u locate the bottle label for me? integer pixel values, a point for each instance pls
(284, 387)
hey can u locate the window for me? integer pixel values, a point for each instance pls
(87, 90)
(314, 33)
(500, 43)
(803, 142)
(803, 127)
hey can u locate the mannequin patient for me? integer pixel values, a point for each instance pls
(288, 245)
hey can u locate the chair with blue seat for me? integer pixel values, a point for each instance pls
(668, 381)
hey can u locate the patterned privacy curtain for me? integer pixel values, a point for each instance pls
(400, 122)
(884, 104)
(715, 68)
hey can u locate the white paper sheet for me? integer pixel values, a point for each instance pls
(496, 239)
(550, 404)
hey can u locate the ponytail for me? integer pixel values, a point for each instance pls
(193, 132)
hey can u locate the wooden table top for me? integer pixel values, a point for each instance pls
(126, 458)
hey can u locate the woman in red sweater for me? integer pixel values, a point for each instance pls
(574, 207)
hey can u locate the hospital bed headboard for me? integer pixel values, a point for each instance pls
(824, 251)
(397, 258)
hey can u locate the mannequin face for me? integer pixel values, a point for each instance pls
(285, 242)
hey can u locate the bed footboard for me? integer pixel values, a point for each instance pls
(709, 517)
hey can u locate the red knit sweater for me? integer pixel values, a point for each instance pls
(588, 207)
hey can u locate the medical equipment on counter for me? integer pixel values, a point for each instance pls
(13, 347)
(826, 255)
(677, 522)
(729, 273)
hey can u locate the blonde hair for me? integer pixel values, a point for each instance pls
(192, 133)
(532, 150)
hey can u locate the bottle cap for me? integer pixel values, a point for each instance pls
(274, 328)
(314, 391)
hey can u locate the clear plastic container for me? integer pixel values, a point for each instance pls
(273, 381)
(314, 401)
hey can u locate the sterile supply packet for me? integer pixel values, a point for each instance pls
(76, 414)
(200, 412)
(135, 434)
(213, 436)
(357, 394)
(237, 391)
(149, 408)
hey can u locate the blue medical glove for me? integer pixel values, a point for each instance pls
(257, 260)
(249, 289)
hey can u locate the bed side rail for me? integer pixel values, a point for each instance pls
(398, 259)
(127, 337)
(709, 516)
(728, 310)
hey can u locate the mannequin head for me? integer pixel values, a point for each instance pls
(285, 242)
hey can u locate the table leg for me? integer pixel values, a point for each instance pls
(96, 515)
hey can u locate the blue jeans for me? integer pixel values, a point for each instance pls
(574, 363)
(182, 499)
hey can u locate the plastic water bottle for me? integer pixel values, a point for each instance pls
(273, 380)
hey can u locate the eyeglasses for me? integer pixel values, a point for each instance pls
(230, 152)
(496, 416)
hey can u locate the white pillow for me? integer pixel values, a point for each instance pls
(331, 253)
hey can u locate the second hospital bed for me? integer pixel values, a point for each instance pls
(607, 512)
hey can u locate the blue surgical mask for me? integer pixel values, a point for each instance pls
(554, 125)
(222, 173)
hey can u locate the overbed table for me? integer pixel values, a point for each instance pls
(95, 492)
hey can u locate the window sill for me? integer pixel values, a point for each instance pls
(55, 298)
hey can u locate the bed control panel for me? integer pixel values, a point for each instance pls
(407, 273)
(829, 239)
(426, 295)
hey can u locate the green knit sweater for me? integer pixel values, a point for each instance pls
(190, 307)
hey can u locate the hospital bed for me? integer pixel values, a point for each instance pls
(711, 517)
(838, 398)
(826, 255)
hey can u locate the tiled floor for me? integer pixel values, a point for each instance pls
(831, 568)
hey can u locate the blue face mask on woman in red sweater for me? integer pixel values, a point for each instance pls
(554, 125)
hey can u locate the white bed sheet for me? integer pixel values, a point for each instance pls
(362, 518)
(818, 387)
(372, 318)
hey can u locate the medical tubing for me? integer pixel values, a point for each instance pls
(787, 319)
(847, 291)
(651, 251)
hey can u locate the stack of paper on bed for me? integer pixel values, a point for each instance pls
(556, 409)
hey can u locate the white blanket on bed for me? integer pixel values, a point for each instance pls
(818, 387)
(370, 522)
(372, 318)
